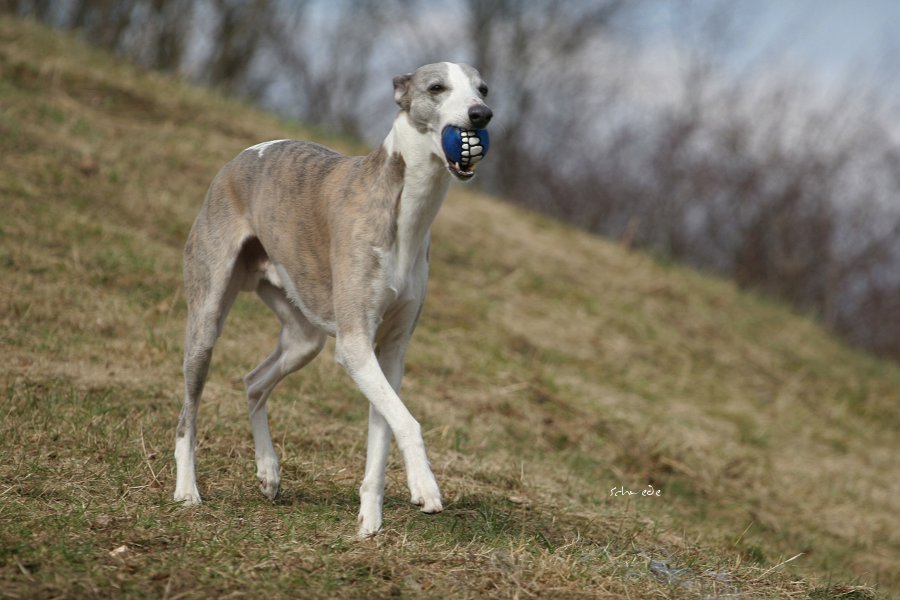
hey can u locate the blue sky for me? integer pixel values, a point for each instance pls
(831, 38)
(838, 36)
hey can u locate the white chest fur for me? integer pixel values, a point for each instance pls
(425, 184)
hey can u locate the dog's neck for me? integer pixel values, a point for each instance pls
(416, 148)
(425, 182)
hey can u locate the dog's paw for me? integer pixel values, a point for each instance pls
(371, 500)
(269, 484)
(268, 477)
(424, 492)
(369, 525)
(189, 498)
(430, 504)
(269, 487)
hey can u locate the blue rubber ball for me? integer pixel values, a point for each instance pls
(464, 146)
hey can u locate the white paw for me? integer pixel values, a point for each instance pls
(269, 480)
(188, 498)
(369, 525)
(369, 518)
(269, 487)
(267, 474)
(424, 492)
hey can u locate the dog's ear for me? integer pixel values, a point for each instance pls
(401, 90)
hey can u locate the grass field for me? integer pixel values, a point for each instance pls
(550, 367)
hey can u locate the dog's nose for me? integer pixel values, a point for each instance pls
(480, 115)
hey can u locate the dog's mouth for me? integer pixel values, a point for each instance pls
(460, 172)
(463, 149)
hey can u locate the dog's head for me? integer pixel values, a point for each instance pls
(445, 101)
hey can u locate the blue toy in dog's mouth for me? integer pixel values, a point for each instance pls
(463, 149)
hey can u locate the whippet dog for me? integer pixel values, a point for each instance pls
(338, 246)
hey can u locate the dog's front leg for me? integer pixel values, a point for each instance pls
(391, 352)
(357, 355)
(371, 492)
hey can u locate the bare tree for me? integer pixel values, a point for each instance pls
(525, 48)
(238, 38)
(328, 56)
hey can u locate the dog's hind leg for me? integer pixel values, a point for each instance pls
(298, 344)
(213, 278)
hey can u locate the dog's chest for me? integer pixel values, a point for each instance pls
(403, 264)
(399, 278)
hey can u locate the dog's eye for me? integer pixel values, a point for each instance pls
(436, 88)
(483, 90)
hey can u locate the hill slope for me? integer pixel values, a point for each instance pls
(550, 367)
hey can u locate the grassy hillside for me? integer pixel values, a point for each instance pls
(549, 368)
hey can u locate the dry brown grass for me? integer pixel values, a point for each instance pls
(549, 367)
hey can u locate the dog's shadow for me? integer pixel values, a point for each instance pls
(338, 498)
(475, 518)
(469, 518)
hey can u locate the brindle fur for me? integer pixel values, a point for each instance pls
(334, 245)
